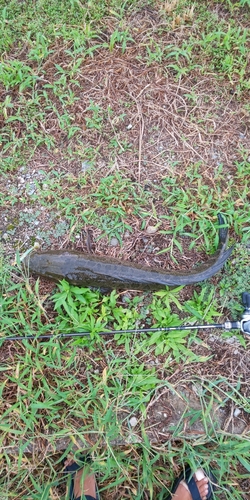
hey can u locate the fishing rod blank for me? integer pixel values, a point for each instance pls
(243, 325)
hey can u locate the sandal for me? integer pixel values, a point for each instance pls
(188, 477)
(73, 468)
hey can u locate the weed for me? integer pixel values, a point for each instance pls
(6, 106)
(202, 305)
(227, 49)
(121, 38)
(155, 52)
(15, 73)
(96, 119)
(235, 281)
(176, 52)
(40, 47)
(116, 193)
(119, 146)
(162, 316)
(21, 307)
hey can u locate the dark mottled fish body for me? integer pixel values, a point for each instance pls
(101, 272)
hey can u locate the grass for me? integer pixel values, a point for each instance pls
(119, 117)
(110, 387)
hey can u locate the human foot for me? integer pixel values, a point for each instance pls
(84, 483)
(197, 486)
(183, 492)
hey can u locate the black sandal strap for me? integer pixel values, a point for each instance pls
(192, 486)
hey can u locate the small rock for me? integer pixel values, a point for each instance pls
(114, 242)
(150, 249)
(133, 421)
(151, 229)
(126, 297)
(214, 155)
(129, 126)
(85, 166)
(31, 189)
(126, 234)
(197, 389)
(237, 412)
(231, 340)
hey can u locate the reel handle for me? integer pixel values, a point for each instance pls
(246, 315)
(246, 300)
(246, 327)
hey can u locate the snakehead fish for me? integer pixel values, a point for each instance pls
(87, 270)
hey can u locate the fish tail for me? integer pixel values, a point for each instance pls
(223, 232)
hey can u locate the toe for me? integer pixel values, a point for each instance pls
(203, 481)
(203, 489)
(202, 486)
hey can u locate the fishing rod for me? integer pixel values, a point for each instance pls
(243, 325)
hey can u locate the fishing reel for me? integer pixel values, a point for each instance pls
(245, 320)
(244, 323)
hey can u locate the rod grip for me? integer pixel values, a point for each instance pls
(246, 300)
